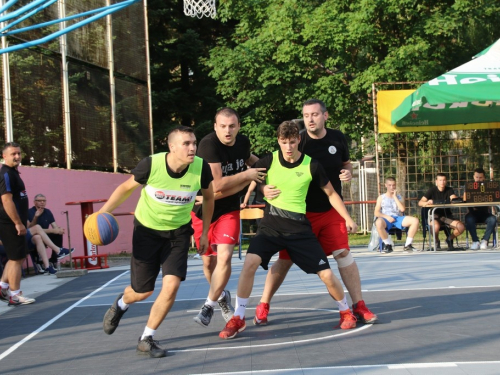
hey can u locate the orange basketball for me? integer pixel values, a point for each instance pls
(101, 228)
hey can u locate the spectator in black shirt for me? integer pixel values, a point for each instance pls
(442, 216)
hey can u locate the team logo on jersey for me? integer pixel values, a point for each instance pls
(332, 150)
(159, 195)
(299, 174)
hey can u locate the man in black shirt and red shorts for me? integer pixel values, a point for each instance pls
(330, 148)
(228, 154)
(285, 226)
(13, 220)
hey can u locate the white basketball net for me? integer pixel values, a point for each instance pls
(200, 8)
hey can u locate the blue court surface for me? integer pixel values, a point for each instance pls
(438, 314)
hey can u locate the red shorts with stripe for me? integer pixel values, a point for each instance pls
(224, 231)
(330, 229)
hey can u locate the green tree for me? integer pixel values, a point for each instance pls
(183, 92)
(283, 52)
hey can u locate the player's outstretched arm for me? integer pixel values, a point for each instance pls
(208, 211)
(339, 206)
(229, 185)
(120, 195)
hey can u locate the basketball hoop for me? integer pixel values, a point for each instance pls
(200, 8)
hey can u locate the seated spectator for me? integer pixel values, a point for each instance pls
(39, 214)
(442, 216)
(36, 237)
(480, 215)
(389, 212)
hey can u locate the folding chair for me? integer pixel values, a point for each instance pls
(393, 231)
(424, 213)
(248, 214)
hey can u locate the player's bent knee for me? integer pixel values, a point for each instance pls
(343, 259)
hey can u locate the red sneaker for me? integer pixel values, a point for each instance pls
(233, 327)
(261, 313)
(347, 320)
(363, 313)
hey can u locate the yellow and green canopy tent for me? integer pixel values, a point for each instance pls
(469, 94)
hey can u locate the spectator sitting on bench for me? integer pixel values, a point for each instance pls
(442, 216)
(39, 214)
(388, 210)
(480, 215)
(36, 237)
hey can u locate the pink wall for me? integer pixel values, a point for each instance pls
(61, 186)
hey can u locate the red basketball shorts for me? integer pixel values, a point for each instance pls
(224, 231)
(330, 229)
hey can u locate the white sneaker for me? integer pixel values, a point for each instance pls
(484, 245)
(475, 246)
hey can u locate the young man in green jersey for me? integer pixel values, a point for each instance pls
(285, 226)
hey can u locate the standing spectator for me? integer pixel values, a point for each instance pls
(39, 214)
(13, 221)
(442, 216)
(480, 215)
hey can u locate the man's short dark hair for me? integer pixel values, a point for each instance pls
(390, 179)
(10, 144)
(228, 112)
(440, 175)
(288, 130)
(315, 101)
(179, 129)
(480, 170)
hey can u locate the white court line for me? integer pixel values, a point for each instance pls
(36, 332)
(361, 367)
(317, 293)
(349, 332)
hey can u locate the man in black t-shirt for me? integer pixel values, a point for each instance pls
(442, 216)
(228, 154)
(330, 148)
(480, 215)
(285, 226)
(13, 221)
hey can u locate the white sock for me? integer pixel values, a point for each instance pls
(409, 240)
(4, 285)
(221, 296)
(387, 241)
(123, 305)
(15, 292)
(211, 303)
(342, 304)
(148, 332)
(241, 305)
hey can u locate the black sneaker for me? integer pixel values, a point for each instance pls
(113, 316)
(150, 346)
(387, 249)
(204, 316)
(450, 244)
(410, 249)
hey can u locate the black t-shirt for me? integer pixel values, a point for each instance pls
(142, 171)
(232, 160)
(438, 196)
(282, 224)
(331, 152)
(11, 182)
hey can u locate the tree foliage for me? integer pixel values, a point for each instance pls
(283, 52)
